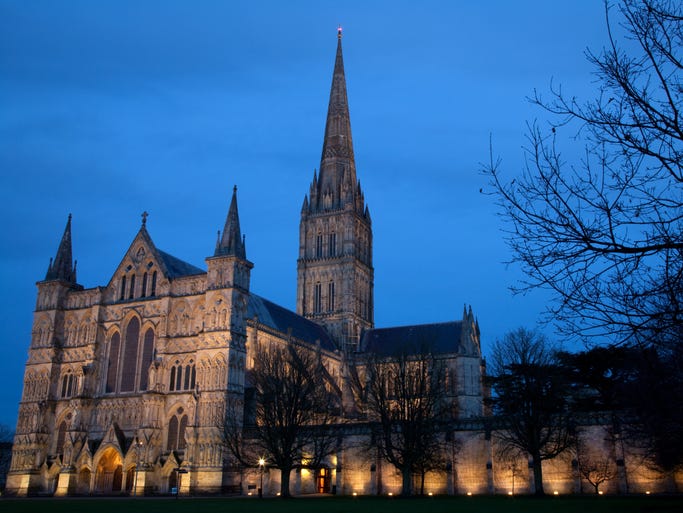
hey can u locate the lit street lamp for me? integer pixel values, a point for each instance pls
(261, 464)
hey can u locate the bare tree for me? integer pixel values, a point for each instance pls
(289, 412)
(530, 396)
(605, 232)
(405, 396)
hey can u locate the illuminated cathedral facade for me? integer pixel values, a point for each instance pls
(124, 382)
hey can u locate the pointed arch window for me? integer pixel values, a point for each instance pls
(123, 288)
(130, 355)
(68, 384)
(330, 296)
(319, 245)
(332, 244)
(153, 292)
(113, 363)
(131, 294)
(146, 359)
(183, 377)
(143, 289)
(61, 436)
(317, 298)
(177, 426)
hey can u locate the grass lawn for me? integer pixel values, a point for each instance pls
(481, 504)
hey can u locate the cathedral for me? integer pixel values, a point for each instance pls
(124, 381)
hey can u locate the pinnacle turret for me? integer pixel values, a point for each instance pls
(62, 267)
(231, 243)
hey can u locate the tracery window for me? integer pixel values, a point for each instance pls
(130, 354)
(113, 364)
(129, 360)
(146, 359)
(176, 431)
(180, 371)
(68, 384)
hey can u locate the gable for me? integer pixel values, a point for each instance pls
(145, 271)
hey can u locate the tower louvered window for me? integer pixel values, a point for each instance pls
(317, 298)
(330, 296)
(332, 245)
(319, 246)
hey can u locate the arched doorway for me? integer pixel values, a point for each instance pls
(173, 482)
(130, 479)
(109, 474)
(322, 480)
(83, 487)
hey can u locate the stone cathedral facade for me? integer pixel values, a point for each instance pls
(124, 381)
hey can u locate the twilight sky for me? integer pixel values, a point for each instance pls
(110, 108)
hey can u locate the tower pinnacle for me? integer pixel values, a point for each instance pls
(62, 267)
(231, 243)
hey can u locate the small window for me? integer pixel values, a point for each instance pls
(330, 296)
(319, 245)
(317, 298)
(123, 288)
(332, 245)
(143, 290)
(131, 295)
(153, 292)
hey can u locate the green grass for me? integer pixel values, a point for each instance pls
(481, 504)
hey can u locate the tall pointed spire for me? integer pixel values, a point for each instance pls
(231, 243)
(337, 165)
(62, 267)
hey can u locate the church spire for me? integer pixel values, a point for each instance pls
(62, 267)
(231, 243)
(337, 177)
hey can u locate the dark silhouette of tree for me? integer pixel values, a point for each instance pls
(605, 232)
(532, 399)
(596, 469)
(289, 410)
(405, 398)
(641, 390)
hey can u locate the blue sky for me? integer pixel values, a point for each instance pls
(111, 108)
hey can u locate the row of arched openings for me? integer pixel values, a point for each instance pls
(129, 359)
(148, 287)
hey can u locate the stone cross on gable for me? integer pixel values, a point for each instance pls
(144, 218)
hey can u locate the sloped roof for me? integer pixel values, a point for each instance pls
(280, 319)
(443, 337)
(177, 267)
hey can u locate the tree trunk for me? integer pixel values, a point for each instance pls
(538, 475)
(284, 482)
(407, 490)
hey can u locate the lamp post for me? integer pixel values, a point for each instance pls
(261, 464)
(137, 467)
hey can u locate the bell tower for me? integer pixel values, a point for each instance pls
(335, 277)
